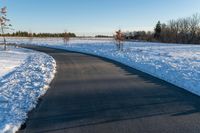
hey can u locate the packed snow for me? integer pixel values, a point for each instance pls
(174, 63)
(24, 77)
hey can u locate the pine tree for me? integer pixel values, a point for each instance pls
(158, 31)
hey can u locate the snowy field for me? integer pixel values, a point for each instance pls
(174, 63)
(24, 77)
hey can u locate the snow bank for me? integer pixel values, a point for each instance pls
(26, 80)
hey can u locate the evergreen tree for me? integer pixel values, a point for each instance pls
(158, 31)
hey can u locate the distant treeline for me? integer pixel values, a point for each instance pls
(28, 34)
(183, 30)
(103, 36)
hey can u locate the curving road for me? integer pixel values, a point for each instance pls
(95, 95)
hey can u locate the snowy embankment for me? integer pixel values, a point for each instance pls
(24, 77)
(174, 63)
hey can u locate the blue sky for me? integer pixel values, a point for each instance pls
(89, 17)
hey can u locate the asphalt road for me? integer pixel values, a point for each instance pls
(95, 95)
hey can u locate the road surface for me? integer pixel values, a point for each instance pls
(95, 95)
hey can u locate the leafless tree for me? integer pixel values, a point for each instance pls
(193, 27)
(3, 24)
(30, 37)
(66, 37)
(119, 38)
(174, 29)
(184, 30)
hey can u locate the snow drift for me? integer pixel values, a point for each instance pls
(22, 86)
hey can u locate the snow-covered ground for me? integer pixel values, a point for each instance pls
(25, 74)
(24, 77)
(174, 63)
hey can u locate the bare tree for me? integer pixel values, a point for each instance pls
(119, 38)
(174, 29)
(30, 37)
(4, 25)
(194, 26)
(66, 37)
(184, 30)
(164, 36)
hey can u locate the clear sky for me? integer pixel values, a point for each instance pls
(89, 17)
